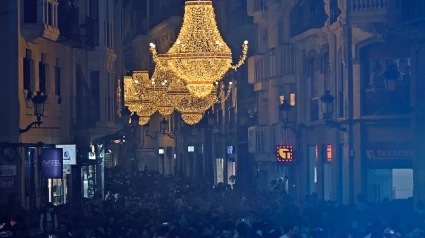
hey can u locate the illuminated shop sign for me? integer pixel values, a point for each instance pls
(284, 153)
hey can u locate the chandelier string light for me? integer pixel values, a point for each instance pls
(200, 57)
(193, 108)
(160, 80)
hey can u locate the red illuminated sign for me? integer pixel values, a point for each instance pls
(284, 153)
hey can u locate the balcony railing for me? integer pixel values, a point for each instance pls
(413, 10)
(69, 21)
(256, 69)
(375, 10)
(369, 5)
(316, 17)
(379, 102)
(285, 59)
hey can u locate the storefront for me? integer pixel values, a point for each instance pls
(389, 172)
(387, 162)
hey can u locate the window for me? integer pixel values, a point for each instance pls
(50, 20)
(313, 89)
(57, 79)
(27, 70)
(281, 99)
(329, 153)
(94, 17)
(292, 99)
(30, 11)
(108, 96)
(42, 74)
(94, 85)
(341, 90)
(314, 92)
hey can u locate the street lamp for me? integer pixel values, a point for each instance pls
(164, 128)
(285, 109)
(328, 108)
(147, 127)
(38, 102)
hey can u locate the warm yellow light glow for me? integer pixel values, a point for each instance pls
(143, 121)
(200, 56)
(165, 111)
(185, 102)
(138, 95)
(130, 91)
(119, 99)
(192, 118)
(160, 81)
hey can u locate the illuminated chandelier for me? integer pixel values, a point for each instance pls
(160, 79)
(138, 95)
(200, 56)
(192, 108)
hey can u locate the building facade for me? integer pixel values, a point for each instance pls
(361, 145)
(64, 50)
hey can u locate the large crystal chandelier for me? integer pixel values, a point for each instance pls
(200, 57)
(138, 95)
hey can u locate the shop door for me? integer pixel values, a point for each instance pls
(379, 184)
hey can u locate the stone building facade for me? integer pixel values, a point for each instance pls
(361, 53)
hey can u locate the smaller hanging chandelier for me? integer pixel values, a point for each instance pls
(138, 96)
(200, 57)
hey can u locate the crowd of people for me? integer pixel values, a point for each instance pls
(148, 205)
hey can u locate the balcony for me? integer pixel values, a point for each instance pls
(379, 102)
(413, 11)
(40, 21)
(68, 22)
(366, 11)
(308, 15)
(256, 69)
(257, 9)
(261, 139)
